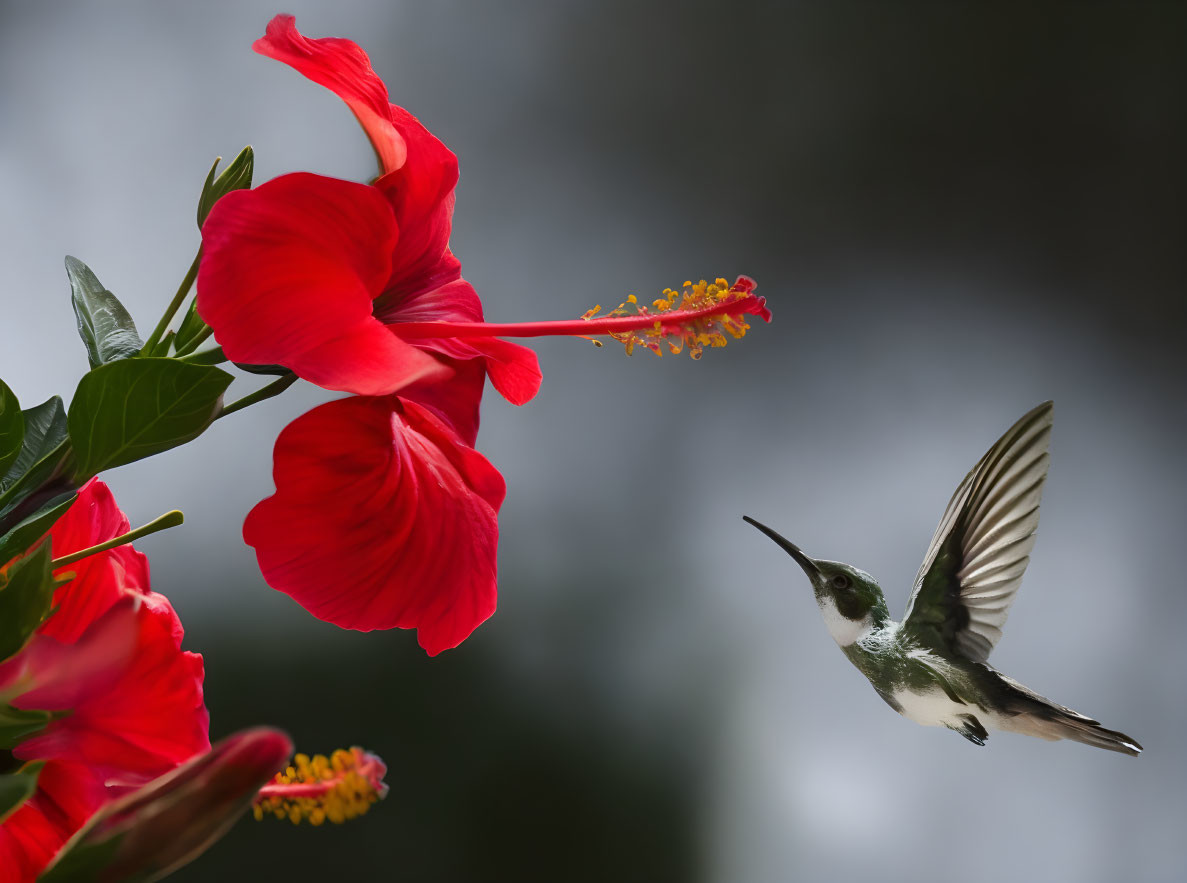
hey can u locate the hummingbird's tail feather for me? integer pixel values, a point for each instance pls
(1056, 724)
(1034, 715)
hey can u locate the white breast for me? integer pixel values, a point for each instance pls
(931, 708)
(845, 631)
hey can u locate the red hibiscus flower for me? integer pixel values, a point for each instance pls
(308, 272)
(384, 515)
(110, 657)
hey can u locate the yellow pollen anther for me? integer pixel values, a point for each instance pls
(692, 318)
(319, 788)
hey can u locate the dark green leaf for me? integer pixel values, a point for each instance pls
(12, 427)
(16, 725)
(30, 528)
(191, 326)
(16, 788)
(37, 479)
(126, 411)
(104, 325)
(45, 430)
(236, 176)
(26, 596)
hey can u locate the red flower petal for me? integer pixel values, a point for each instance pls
(419, 172)
(514, 369)
(288, 274)
(100, 580)
(381, 518)
(343, 68)
(67, 794)
(442, 295)
(148, 720)
(456, 402)
(52, 675)
(421, 195)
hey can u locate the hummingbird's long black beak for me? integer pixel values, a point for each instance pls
(788, 546)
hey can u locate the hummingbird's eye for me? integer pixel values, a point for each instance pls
(840, 581)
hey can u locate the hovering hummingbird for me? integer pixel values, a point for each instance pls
(931, 667)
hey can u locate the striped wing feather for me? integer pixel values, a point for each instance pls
(980, 550)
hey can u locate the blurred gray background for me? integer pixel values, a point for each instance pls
(955, 210)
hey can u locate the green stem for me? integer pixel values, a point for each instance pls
(164, 522)
(199, 339)
(183, 291)
(275, 388)
(215, 356)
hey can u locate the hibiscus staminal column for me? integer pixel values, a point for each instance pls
(704, 314)
(319, 788)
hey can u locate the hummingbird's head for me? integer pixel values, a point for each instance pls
(850, 600)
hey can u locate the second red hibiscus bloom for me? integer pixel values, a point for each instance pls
(126, 700)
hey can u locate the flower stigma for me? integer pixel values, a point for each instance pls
(319, 788)
(696, 317)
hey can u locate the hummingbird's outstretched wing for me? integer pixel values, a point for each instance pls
(976, 559)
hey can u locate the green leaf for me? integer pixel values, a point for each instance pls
(16, 725)
(191, 326)
(26, 596)
(236, 176)
(104, 325)
(12, 428)
(126, 411)
(33, 526)
(37, 480)
(45, 430)
(162, 347)
(16, 788)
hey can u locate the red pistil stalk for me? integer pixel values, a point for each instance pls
(698, 316)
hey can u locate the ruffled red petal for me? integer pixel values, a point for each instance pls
(343, 68)
(289, 271)
(100, 580)
(148, 719)
(382, 518)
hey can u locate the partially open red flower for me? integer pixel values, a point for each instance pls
(382, 518)
(110, 660)
(167, 823)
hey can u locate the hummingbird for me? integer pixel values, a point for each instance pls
(931, 667)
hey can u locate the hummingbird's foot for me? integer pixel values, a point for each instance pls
(972, 730)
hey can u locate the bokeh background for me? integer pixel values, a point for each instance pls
(955, 210)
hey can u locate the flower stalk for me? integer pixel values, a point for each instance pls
(183, 291)
(275, 388)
